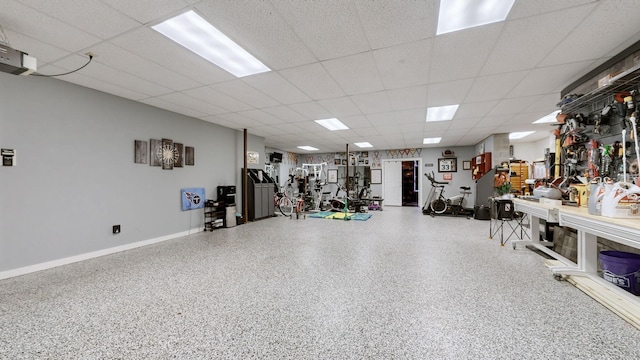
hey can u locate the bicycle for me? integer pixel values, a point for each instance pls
(438, 204)
(283, 202)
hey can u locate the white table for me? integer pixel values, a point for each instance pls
(589, 228)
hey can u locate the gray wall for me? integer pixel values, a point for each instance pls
(75, 175)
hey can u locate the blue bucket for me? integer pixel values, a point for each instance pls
(622, 269)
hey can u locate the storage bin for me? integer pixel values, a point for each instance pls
(622, 269)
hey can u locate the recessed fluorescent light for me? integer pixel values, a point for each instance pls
(196, 34)
(363, 145)
(308, 148)
(551, 118)
(441, 113)
(463, 14)
(434, 140)
(519, 135)
(332, 124)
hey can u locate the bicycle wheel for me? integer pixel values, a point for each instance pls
(438, 206)
(286, 206)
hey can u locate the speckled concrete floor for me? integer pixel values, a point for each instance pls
(398, 286)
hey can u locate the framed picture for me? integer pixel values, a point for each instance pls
(447, 165)
(140, 152)
(365, 154)
(344, 161)
(466, 165)
(332, 176)
(376, 176)
(337, 162)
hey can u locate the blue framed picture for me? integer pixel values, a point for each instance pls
(192, 198)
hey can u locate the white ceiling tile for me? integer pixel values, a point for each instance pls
(314, 81)
(383, 119)
(511, 54)
(116, 57)
(240, 121)
(530, 8)
(356, 121)
(163, 104)
(261, 116)
(461, 54)
(596, 29)
(192, 103)
(145, 11)
(415, 116)
(388, 130)
(366, 131)
(311, 110)
(408, 98)
(448, 93)
(322, 26)
(79, 79)
(260, 29)
(474, 110)
(35, 24)
(266, 82)
(153, 46)
(549, 79)
(342, 106)
(437, 126)
(513, 106)
(372, 102)
(285, 113)
(494, 87)
(95, 16)
(217, 98)
(108, 74)
(404, 65)
(466, 123)
(249, 95)
(389, 23)
(488, 121)
(42, 51)
(546, 104)
(356, 74)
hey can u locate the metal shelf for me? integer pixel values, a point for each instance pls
(600, 97)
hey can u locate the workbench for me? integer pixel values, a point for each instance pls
(584, 272)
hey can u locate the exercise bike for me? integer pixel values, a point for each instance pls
(437, 204)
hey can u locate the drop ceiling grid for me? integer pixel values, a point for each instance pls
(314, 81)
(461, 54)
(322, 26)
(146, 11)
(203, 107)
(95, 16)
(340, 107)
(154, 47)
(258, 27)
(355, 74)
(38, 25)
(404, 65)
(246, 93)
(597, 34)
(390, 23)
(512, 52)
(217, 98)
(287, 93)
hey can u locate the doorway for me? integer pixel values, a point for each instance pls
(400, 184)
(410, 176)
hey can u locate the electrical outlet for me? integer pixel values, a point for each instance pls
(116, 229)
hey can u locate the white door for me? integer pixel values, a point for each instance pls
(392, 182)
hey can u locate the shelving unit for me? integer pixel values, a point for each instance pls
(602, 96)
(480, 165)
(519, 173)
(214, 214)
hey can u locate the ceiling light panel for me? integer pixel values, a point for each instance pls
(308, 148)
(196, 34)
(332, 124)
(434, 140)
(457, 15)
(363, 145)
(441, 113)
(519, 135)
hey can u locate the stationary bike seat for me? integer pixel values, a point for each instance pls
(466, 188)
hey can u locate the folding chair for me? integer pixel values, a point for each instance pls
(503, 215)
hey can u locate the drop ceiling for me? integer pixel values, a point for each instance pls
(375, 65)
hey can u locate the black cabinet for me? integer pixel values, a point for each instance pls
(214, 214)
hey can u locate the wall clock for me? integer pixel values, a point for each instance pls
(447, 165)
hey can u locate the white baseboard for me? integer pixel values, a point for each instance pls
(94, 254)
